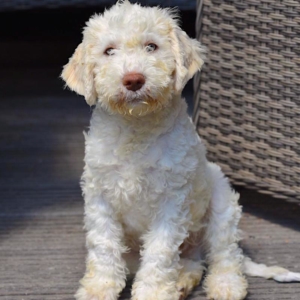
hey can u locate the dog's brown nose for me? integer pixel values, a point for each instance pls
(133, 81)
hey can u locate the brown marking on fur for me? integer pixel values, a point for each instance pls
(161, 65)
(72, 71)
(133, 42)
(90, 269)
(182, 294)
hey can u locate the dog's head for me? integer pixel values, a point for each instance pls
(132, 59)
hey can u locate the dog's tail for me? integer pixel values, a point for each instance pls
(279, 274)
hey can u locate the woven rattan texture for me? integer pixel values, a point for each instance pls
(247, 103)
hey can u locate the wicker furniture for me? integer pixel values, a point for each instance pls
(247, 103)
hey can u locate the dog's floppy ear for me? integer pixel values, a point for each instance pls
(189, 57)
(78, 75)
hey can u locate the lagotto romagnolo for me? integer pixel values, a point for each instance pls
(155, 207)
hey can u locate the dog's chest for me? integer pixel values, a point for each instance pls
(135, 188)
(136, 173)
(136, 181)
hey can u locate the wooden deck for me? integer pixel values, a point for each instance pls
(42, 250)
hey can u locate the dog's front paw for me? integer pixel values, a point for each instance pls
(104, 294)
(93, 289)
(225, 286)
(143, 291)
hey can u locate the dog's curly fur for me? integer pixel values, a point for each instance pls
(150, 193)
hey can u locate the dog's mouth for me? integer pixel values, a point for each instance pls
(134, 100)
(135, 97)
(135, 104)
(139, 102)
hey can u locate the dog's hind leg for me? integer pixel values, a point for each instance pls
(191, 264)
(189, 276)
(251, 268)
(225, 280)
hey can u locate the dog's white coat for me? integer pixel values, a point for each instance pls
(148, 187)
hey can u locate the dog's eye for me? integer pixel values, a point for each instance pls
(151, 47)
(109, 51)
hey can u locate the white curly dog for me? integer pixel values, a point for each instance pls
(154, 205)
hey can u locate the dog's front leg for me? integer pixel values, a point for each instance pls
(158, 273)
(105, 270)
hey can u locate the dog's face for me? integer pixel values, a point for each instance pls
(132, 60)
